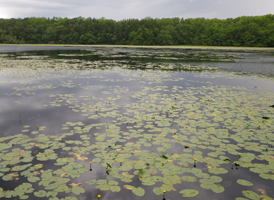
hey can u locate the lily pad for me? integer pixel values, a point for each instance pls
(138, 191)
(217, 188)
(251, 195)
(40, 193)
(189, 178)
(114, 188)
(244, 182)
(189, 193)
(77, 190)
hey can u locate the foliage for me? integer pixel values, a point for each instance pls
(242, 31)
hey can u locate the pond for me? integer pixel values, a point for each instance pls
(87, 122)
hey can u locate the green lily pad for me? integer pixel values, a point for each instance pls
(148, 182)
(103, 187)
(96, 160)
(217, 170)
(114, 188)
(251, 195)
(189, 193)
(138, 191)
(40, 193)
(23, 196)
(217, 188)
(267, 176)
(158, 190)
(77, 190)
(189, 178)
(244, 182)
(33, 179)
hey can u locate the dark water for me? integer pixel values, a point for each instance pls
(123, 95)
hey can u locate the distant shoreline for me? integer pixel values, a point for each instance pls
(147, 46)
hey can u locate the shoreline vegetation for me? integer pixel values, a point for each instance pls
(245, 31)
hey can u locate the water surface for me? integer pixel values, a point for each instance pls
(148, 119)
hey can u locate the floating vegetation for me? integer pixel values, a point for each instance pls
(100, 127)
(189, 193)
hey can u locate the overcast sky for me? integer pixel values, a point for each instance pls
(137, 9)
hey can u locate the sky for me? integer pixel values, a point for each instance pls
(135, 9)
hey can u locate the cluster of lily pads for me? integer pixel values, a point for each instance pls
(144, 129)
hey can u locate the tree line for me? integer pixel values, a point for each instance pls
(255, 31)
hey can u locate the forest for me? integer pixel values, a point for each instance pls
(249, 31)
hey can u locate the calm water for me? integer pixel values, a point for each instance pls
(176, 118)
